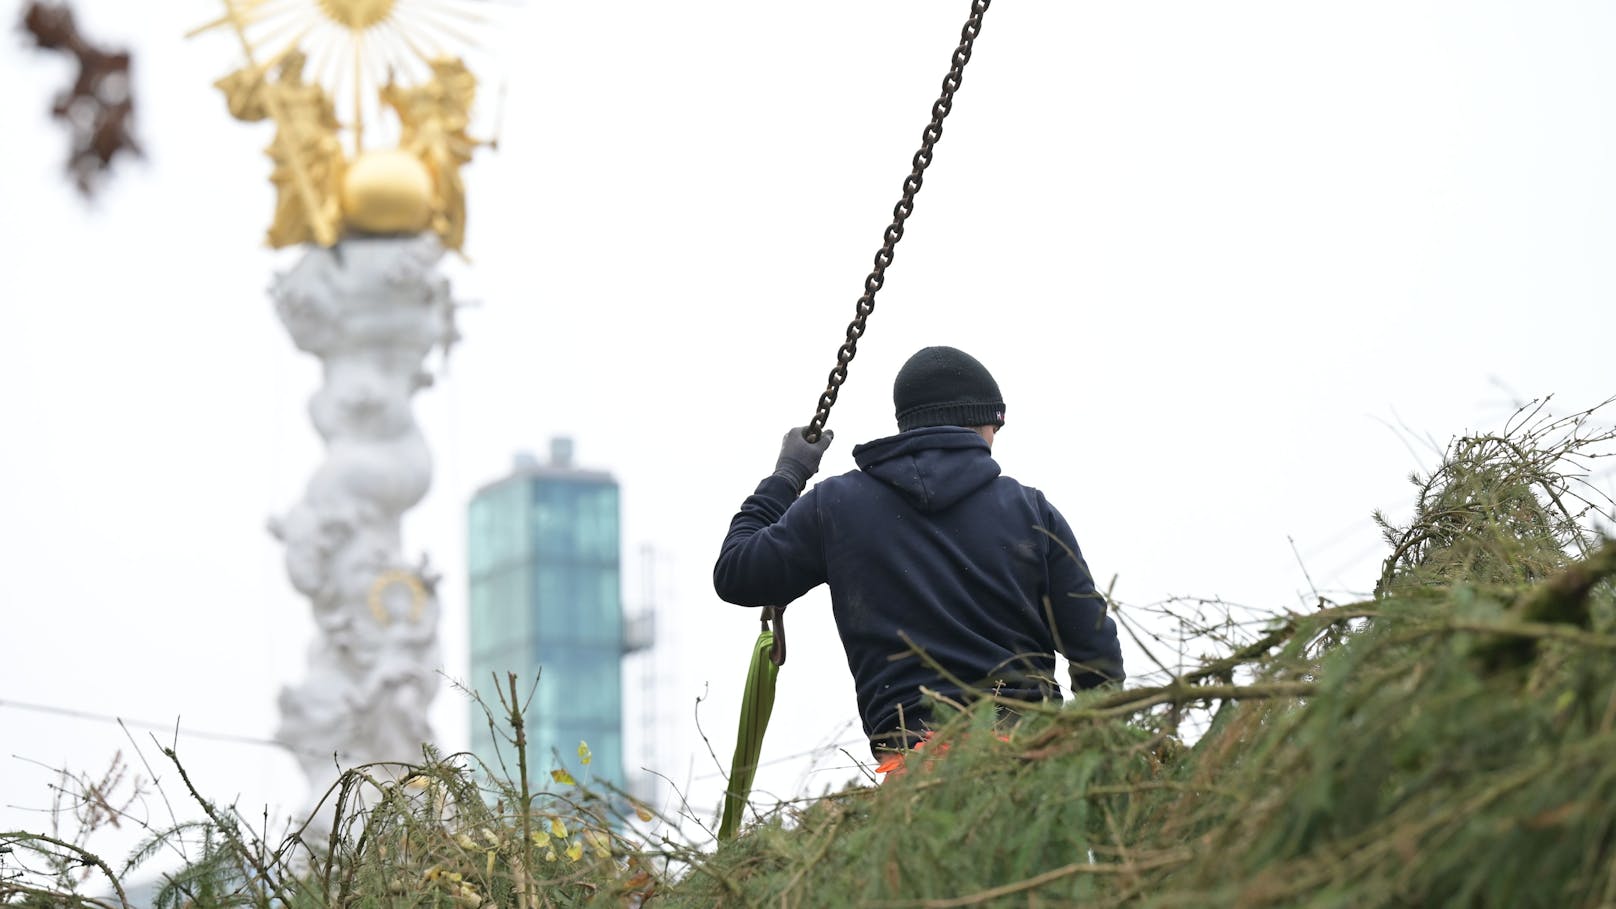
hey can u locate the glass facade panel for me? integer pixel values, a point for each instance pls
(480, 631)
(546, 595)
(498, 534)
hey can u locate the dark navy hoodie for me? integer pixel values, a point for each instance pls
(926, 540)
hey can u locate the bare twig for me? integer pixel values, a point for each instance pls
(81, 855)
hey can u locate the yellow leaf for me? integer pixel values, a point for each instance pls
(489, 871)
(550, 855)
(466, 842)
(575, 852)
(600, 842)
(583, 753)
(431, 874)
(490, 837)
(558, 829)
(541, 839)
(561, 776)
(454, 876)
(642, 812)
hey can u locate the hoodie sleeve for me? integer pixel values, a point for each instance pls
(774, 552)
(1084, 633)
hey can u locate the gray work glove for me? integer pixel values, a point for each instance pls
(799, 458)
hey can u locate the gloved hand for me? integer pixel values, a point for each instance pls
(799, 458)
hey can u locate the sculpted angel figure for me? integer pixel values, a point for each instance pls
(435, 117)
(306, 152)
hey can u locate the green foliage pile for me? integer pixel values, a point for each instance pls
(1385, 765)
(1503, 508)
(1447, 742)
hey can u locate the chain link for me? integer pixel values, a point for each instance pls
(900, 214)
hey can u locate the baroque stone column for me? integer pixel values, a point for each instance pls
(372, 310)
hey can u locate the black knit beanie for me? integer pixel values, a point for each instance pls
(941, 386)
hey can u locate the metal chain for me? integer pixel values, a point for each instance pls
(900, 214)
(775, 616)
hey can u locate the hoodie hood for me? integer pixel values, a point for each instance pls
(933, 467)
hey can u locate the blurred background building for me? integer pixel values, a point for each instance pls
(545, 569)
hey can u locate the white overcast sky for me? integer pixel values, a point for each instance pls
(1231, 262)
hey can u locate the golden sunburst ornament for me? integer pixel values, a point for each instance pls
(357, 14)
(320, 69)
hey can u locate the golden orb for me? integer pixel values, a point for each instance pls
(357, 14)
(387, 192)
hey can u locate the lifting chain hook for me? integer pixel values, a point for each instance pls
(774, 618)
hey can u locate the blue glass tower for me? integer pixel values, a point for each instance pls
(545, 568)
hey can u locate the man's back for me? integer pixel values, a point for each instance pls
(943, 574)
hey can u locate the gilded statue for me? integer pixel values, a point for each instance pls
(306, 152)
(435, 116)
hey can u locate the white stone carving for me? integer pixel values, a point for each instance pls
(372, 310)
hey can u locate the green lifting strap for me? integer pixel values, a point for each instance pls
(756, 706)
